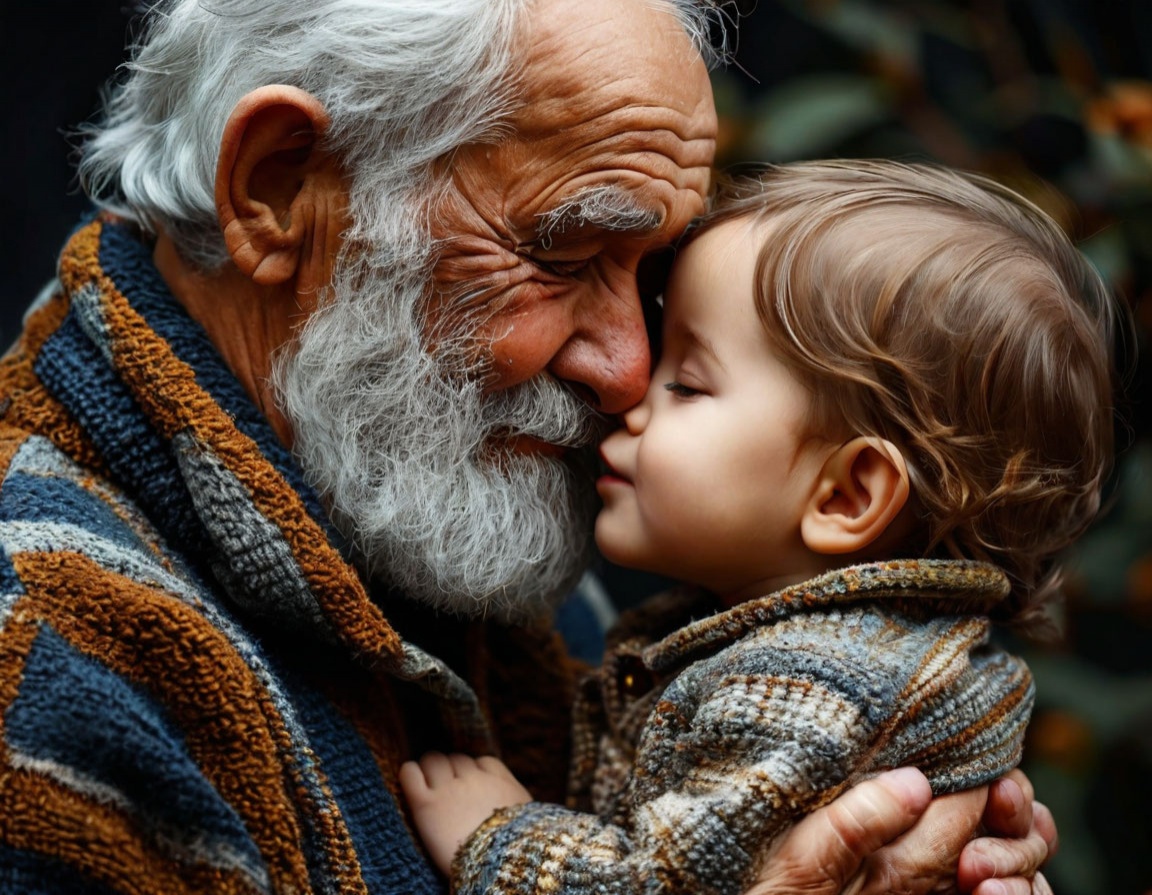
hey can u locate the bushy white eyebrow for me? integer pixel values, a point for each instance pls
(607, 207)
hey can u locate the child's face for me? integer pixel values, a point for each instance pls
(710, 475)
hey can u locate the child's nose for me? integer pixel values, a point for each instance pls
(636, 418)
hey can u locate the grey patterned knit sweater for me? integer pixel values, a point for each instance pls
(695, 748)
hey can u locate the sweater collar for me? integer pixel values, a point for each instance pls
(942, 586)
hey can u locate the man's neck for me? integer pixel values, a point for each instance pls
(246, 322)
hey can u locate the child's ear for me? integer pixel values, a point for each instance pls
(861, 489)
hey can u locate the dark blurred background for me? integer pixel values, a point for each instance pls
(1054, 97)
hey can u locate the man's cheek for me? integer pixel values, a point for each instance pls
(523, 340)
(467, 288)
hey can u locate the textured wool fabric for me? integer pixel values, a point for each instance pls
(197, 694)
(695, 746)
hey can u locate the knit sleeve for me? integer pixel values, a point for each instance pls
(539, 848)
(731, 755)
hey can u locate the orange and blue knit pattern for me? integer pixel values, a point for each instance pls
(695, 747)
(196, 692)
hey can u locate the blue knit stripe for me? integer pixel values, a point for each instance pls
(86, 726)
(28, 498)
(10, 584)
(389, 860)
(128, 262)
(74, 370)
(27, 873)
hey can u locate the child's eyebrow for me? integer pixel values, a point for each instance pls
(701, 342)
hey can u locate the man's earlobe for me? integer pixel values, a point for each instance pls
(861, 490)
(267, 154)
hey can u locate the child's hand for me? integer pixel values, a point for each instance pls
(451, 795)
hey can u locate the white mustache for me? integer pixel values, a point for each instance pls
(545, 409)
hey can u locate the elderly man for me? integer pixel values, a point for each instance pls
(316, 385)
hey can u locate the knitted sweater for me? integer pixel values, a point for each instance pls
(696, 748)
(197, 694)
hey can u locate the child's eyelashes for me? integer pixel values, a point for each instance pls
(680, 390)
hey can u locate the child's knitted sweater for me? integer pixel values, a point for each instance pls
(696, 748)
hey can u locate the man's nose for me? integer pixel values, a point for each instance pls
(607, 358)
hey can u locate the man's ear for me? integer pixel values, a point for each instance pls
(861, 490)
(267, 153)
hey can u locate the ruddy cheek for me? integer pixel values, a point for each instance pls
(524, 343)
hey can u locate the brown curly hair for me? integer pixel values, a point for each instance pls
(942, 311)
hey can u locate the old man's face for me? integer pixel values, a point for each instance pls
(431, 417)
(609, 160)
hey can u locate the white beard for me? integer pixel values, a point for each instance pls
(413, 462)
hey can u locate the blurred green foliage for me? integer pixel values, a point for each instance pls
(1053, 97)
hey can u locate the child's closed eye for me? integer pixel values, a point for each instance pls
(680, 390)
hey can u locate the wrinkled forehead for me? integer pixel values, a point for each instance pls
(614, 67)
(611, 93)
(586, 45)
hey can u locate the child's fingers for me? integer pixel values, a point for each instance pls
(411, 779)
(490, 764)
(462, 765)
(437, 768)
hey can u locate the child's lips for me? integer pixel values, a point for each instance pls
(610, 476)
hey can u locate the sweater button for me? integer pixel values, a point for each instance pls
(632, 677)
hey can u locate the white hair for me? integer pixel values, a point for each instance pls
(416, 462)
(403, 82)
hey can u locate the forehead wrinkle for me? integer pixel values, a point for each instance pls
(584, 45)
(676, 132)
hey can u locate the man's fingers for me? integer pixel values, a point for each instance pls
(826, 849)
(1038, 886)
(872, 814)
(1004, 887)
(983, 859)
(1045, 825)
(1009, 808)
(925, 859)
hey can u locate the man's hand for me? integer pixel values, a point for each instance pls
(1028, 839)
(451, 795)
(826, 851)
(887, 835)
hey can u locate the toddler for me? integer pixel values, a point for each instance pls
(883, 406)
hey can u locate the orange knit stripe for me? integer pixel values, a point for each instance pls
(62, 824)
(992, 719)
(231, 728)
(15, 642)
(10, 441)
(30, 406)
(143, 359)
